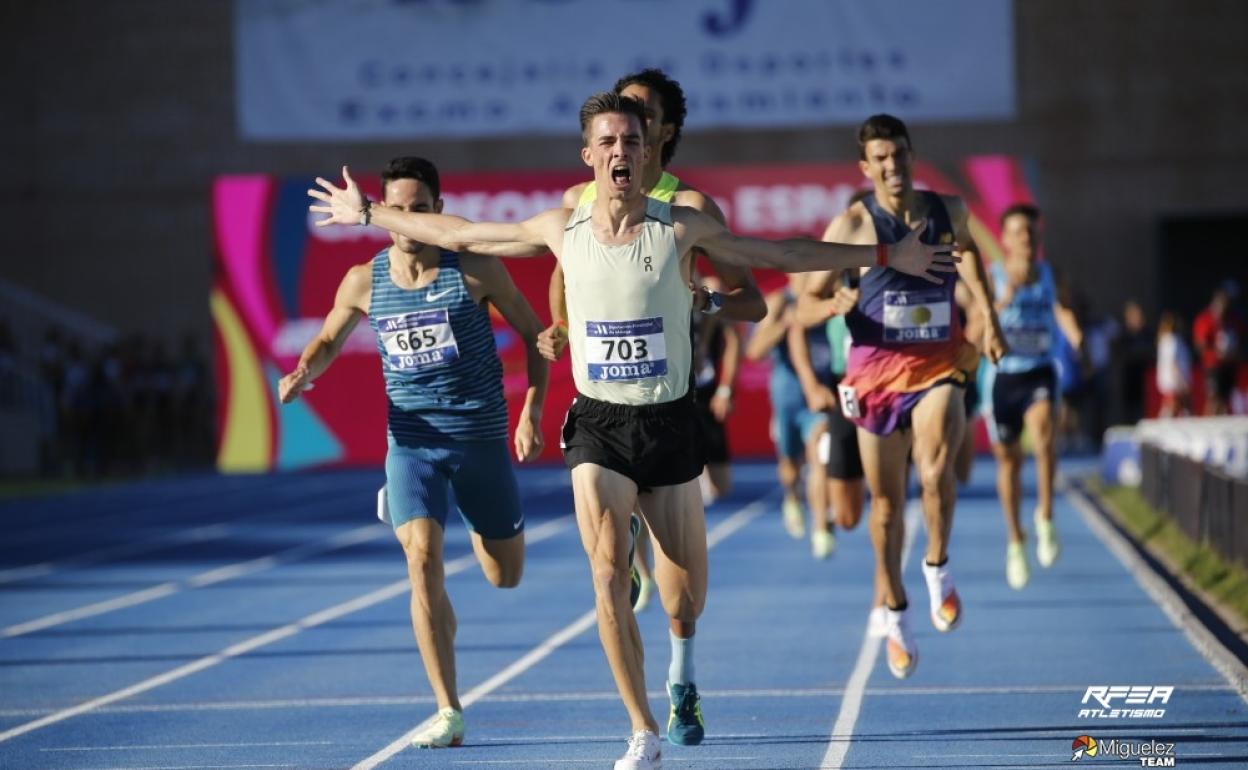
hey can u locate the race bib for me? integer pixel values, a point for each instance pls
(415, 341)
(917, 316)
(1029, 341)
(849, 402)
(617, 351)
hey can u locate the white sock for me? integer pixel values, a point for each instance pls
(680, 670)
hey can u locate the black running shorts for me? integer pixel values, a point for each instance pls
(713, 433)
(655, 445)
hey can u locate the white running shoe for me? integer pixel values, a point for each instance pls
(1017, 571)
(946, 606)
(877, 622)
(446, 730)
(903, 654)
(644, 753)
(1047, 545)
(794, 518)
(383, 507)
(644, 594)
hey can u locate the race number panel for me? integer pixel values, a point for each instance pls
(618, 351)
(415, 341)
(917, 316)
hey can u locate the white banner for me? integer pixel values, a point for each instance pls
(398, 69)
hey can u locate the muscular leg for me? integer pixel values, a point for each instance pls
(604, 500)
(1009, 486)
(717, 481)
(678, 524)
(789, 470)
(847, 496)
(816, 481)
(433, 619)
(938, 421)
(641, 556)
(884, 465)
(1039, 419)
(502, 561)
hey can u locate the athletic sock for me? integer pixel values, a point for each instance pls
(680, 670)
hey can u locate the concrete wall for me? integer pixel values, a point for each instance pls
(118, 115)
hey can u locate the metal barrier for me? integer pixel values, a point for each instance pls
(1208, 504)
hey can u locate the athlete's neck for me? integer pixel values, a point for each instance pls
(651, 175)
(906, 206)
(410, 270)
(614, 216)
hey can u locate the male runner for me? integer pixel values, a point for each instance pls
(1022, 387)
(629, 436)
(734, 297)
(447, 420)
(906, 366)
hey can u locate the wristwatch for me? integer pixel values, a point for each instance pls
(714, 301)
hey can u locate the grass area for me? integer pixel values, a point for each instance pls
(1228, 583)
(12, 489)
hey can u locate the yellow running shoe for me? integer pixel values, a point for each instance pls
(1017, 572)
(794, 518)
(1047, 545)
(446, 730)
(822, 543)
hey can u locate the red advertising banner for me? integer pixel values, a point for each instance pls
(278, 273)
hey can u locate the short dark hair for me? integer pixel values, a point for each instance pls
(881, 127)
(670, 95)
(605, 102)
(412, 167)
(1028, 210)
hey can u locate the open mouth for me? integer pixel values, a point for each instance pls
(621, 175)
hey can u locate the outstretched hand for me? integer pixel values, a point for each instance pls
(290, 386)
(551, 341)
(913, 257)
(343, 204)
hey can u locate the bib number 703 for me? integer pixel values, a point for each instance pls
(625, 349)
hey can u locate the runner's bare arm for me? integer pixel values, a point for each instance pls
(350, 305)
(971, 271)
(501, 292)
(770, 331)
(799, 255)
(820, 298)
(1068, 322)
(530, 238)
(742, 299)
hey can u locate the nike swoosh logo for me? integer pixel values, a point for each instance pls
(518, 523)
(432, 297)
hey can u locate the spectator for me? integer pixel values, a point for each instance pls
(1174, 367)
(1217, 332)
(1133, 354)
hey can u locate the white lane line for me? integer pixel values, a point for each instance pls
(42, 569)
(162, 747)
(856, 687)
(1203, 640)
(377, 596)
(724, 529)
(182, 767)
(211, 577)
(545, 761)
(567, 697)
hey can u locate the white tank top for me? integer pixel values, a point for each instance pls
(628, 311)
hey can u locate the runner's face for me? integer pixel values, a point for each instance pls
(1020, 238)
(657, 133)
(888, 166)
(409, 195)
(616, 153)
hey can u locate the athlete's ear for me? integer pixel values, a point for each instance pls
(864, 168)
(668, 130)
(437, 206)
(585, 156)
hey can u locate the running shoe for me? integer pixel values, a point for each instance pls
(644, 594)
(684, 722)
(634, 586)
(877, 622)
(383, 507)
(822, 543)
(903, 654)
(644, 752)
(446, 730)
(946, 606)
(1017, 573)
(1047, 545)
(794, 518)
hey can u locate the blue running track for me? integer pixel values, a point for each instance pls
(262, 622)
